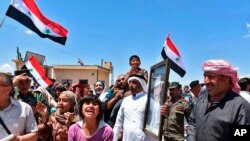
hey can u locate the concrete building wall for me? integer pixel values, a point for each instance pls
(104, 76)
(107, 65)
(76, 73)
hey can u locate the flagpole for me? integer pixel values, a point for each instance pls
(5, 14)
(2, 21)
(165, 92)
(158, 60)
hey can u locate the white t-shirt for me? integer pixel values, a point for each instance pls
(245, 95)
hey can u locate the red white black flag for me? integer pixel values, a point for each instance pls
(27, 13)
(37, 72)
(170, 51)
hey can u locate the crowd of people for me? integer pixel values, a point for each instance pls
(66, 112)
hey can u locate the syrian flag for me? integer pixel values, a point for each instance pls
(170, 51)
(27, 13)
(37, 72)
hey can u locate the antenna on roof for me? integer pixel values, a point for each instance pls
(80, 62)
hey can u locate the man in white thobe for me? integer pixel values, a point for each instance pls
(130, 118)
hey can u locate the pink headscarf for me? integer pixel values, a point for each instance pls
(221, 67)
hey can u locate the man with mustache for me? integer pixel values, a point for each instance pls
(220, 107)
(174, 112)
(114, 102)
(130, 117)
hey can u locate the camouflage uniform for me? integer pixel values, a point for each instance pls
(174, 122)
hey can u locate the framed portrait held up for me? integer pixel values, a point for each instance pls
(155, 99)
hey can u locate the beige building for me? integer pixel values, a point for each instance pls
(75, 73)
(86, 74)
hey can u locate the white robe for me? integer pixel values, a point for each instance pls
(130, 118)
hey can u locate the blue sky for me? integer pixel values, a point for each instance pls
(114, 30)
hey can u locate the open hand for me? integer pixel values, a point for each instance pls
(41, 109)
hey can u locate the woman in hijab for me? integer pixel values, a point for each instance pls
(60, 121)
(99, 90)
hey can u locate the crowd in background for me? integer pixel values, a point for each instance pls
(75, 112)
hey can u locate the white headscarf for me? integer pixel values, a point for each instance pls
(142, 82)
(102, 96)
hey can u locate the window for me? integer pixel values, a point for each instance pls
(83, 81)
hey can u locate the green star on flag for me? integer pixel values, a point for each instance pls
(47, 31)
(170, 51)
(177, 59)
(29, 13)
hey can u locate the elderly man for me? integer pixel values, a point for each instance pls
(16, 117)
(130, 118)
(220, 107)
(115, 100)
(23, 92)
(174, 112)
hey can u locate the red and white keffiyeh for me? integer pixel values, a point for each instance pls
(221, 67)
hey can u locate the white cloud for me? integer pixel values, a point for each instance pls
(29, 32)
(248, 26)
(248, 31)
(6, 68)
(246, 75)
